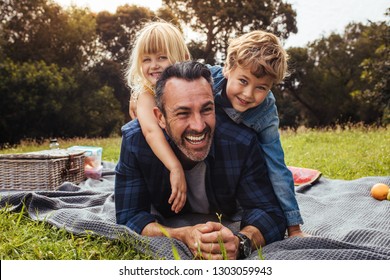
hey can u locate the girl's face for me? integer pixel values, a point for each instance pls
(153, 65)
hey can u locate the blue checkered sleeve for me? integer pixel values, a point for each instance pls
(132, 201)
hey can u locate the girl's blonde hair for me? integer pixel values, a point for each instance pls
(154, 37)
(259, 51)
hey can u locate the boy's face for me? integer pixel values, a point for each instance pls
(244, 90)
(153, 65)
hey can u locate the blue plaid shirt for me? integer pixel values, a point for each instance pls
(236, 180)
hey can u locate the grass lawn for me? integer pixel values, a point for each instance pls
(339, 154)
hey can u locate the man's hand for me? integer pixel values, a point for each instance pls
(209, 241)
(213, 241)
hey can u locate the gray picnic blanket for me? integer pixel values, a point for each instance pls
(344, 221)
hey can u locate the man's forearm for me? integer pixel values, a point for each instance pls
(155, 229)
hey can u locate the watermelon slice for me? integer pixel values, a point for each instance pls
(303, 176)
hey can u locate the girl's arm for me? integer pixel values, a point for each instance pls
(159, 145)
(133, 107)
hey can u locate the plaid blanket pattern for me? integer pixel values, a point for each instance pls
(345, 222)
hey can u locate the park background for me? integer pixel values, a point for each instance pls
(61, 75)
(61, 67)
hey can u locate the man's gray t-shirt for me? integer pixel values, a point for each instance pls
(196, 188)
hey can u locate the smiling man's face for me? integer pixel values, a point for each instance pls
(189, 117)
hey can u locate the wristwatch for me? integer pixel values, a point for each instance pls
(245, 246)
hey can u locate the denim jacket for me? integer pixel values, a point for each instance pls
(264, 120)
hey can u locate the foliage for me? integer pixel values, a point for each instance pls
(40, 30)
(117, 31)
(339, 79)
(375, 96)
(61, 71)
(40, 102)
(48, 85)
(21, 88)
(218, 21)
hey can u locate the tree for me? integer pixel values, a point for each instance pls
(335, 80)
(374, 95)
(41, 101)
(117, 31)
(48, 82)
(41, 30)
(219, 21)
(290, 97)
(323, 82)
(31, 94)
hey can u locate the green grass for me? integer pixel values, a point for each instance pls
(24, 239)
(339, 154)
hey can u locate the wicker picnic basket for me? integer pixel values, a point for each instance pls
(43, 170)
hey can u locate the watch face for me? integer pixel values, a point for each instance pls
(245, 245)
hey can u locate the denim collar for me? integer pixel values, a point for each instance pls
(221, 100)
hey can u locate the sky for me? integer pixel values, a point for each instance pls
(315, 18)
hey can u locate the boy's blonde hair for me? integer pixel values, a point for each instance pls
(259, 51)
(158, 36)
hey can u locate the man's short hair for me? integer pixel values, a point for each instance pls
(188, 70)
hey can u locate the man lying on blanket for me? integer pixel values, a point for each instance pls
(224, 171)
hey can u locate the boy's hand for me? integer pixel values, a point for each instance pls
(295, 231)
(179, 190)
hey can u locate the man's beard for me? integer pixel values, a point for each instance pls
(192, 154)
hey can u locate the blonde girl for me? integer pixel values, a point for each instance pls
(158, 45)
